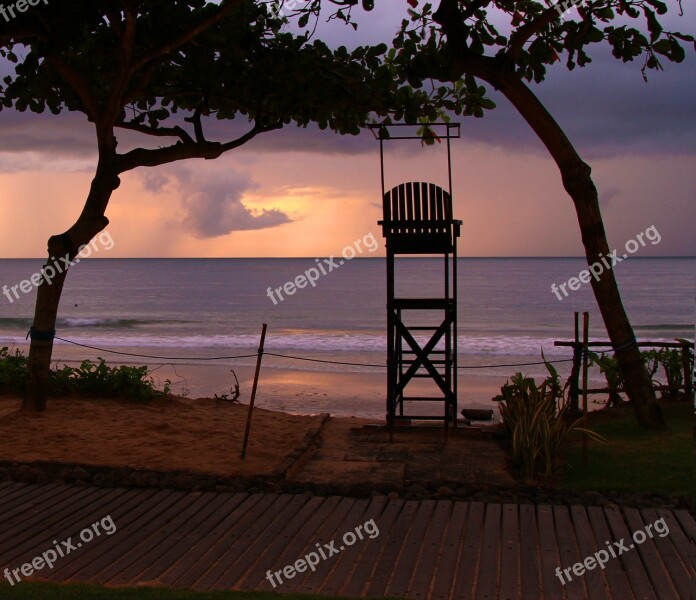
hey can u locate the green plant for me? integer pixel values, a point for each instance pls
(609, 367)
(537, 418)
(671, 361)
(13, 371)
(89, 379)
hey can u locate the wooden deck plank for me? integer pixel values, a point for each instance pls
(239, 541)
(51, 523)
(448, 563)
(268, 559)
(653, 562)
(12, 492)
(20, 510)
(366, 564)
(410, 553)
(168, 531)
(549, 553)
(200, 523)
(144, 503)
(352, 552)
(7, 484)
(426, 550)
(119, 508)
(126, 549)
(384, 569)
(465, 582)
(199, 540)
(347, 562)
(637, 577)
(530, 574)
(331, 530)
(569, 554)
(489, 566)
(300, 545)
(680, 555)
(433, 549)
(225, 535)
(595, 580)
(84, 549)
(235, 571)
(687, 522)
(510, 554)
(613, 569)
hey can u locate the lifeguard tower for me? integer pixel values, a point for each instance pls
(421, 331)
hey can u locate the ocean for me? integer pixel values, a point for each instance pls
(206, 308)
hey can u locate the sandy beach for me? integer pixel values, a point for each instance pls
(203, 436)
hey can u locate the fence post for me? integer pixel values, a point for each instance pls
(585, 359)
(688, 373)
(575, 371)
(253, 391)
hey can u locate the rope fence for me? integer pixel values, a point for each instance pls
(315, 360)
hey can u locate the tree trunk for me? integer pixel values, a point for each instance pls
(578, 183)
(64, 246)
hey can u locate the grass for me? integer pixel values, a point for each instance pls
(634, 459)
(35, 591)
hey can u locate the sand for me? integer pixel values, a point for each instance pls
(203, 436)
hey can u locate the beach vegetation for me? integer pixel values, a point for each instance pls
(93, 379)
(538, 421)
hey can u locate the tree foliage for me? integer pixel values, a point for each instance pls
(164, 68)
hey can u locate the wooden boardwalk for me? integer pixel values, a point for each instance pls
(430, 549)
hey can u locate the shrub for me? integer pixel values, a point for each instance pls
(13, 370)
(537, 418)
(89, 379)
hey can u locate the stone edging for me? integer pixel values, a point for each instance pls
(83, 475)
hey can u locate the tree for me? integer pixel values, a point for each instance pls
(458, 43)
(163, 69)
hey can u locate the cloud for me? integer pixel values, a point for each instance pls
(605, 108)
(212, 202)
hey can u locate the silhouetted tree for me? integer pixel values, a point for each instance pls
(164, 68)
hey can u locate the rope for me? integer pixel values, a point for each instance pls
(291, 357)
(157, 357)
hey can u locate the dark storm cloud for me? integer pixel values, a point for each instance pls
(606, 109)
(212, 202)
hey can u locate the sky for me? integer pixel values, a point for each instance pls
(307, 193)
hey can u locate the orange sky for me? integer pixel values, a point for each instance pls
(512, 203)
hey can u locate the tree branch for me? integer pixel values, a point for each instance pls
(141, 157)
(180, 40)
(158, 131)
(473, 8)
(522, 35)
(79, 85)
(195, 118)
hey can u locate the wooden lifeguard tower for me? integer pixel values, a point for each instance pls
(418, 221)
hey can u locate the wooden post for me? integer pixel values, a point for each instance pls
(575, 371)
(585, 360)
(688, 374)
(253, 390)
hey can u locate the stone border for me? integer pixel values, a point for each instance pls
(83, 475)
